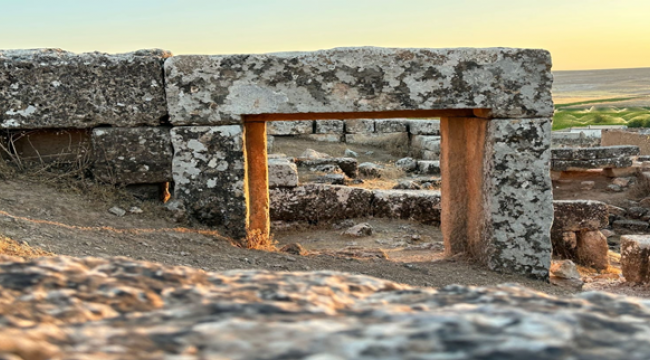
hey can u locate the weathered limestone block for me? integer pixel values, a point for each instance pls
(430, 155)
(519, 195)
(332, 138)
(424, 127)
(52, 88)
(282, 173)
(290, 127)
(394, 140)
(371, 170)
(216, 90)
(592, 249)
(415, 205)
(577, 215)
(595, 153)
(630, 225)
(391, 126)
(357, 126)
(580, 165)
(407, 164)
(348, 165)
(429, 167)
(420, 143)
(132, 155)
(635, 258)
(330, 127)
(315, 202)
(208, 171)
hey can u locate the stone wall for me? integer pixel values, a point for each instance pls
(152, 117)
(627, 137)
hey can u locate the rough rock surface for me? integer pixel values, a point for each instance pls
(580, 165)
(370, 170)
(576, 215)
(52, 88)
(359, 230)
(519, 195)
(391, 125)
(330, 127)
(592, 249)
(331, 138)
(347, 165)
(311, 154)
(122, 309)
(208, 171)
(290, 127)
(415, 205)
(635, 258)
(426, 147)
(424, 127)
(429, 167)
(407, 164)
(595, 153)
(316, 203)
(140, 155)
(359, 126)
(217, 90)
(282, 173)
(379, 139)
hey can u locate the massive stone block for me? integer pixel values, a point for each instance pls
(595, 153)
(426, 147)
(330, 127)
(132, 155)
(290, 127)
(217, 90)
(414, 205)
(577, 215)
(359, 126)
(519, 198)
(391, 125)
(424, 127)
(208, 171)
(384, 140)
(50, 88)
(316, 203)
(282, 173)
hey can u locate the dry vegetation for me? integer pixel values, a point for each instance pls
(9, 247)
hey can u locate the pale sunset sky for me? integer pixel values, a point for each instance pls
(581, 34)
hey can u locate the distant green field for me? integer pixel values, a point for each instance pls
(600, 115)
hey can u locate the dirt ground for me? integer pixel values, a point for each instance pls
(69, 223)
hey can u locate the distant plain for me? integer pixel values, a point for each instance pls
(602, 97)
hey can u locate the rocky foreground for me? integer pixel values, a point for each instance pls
(61, 307)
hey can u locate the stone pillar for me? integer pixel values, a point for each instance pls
(209, 175)
(257, 178)
(497, 204)
(518, 196)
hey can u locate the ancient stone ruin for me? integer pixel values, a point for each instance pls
(201, 123)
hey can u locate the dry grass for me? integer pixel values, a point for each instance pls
(256, 241)
(11, 247)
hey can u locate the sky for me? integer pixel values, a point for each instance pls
(581, 34)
